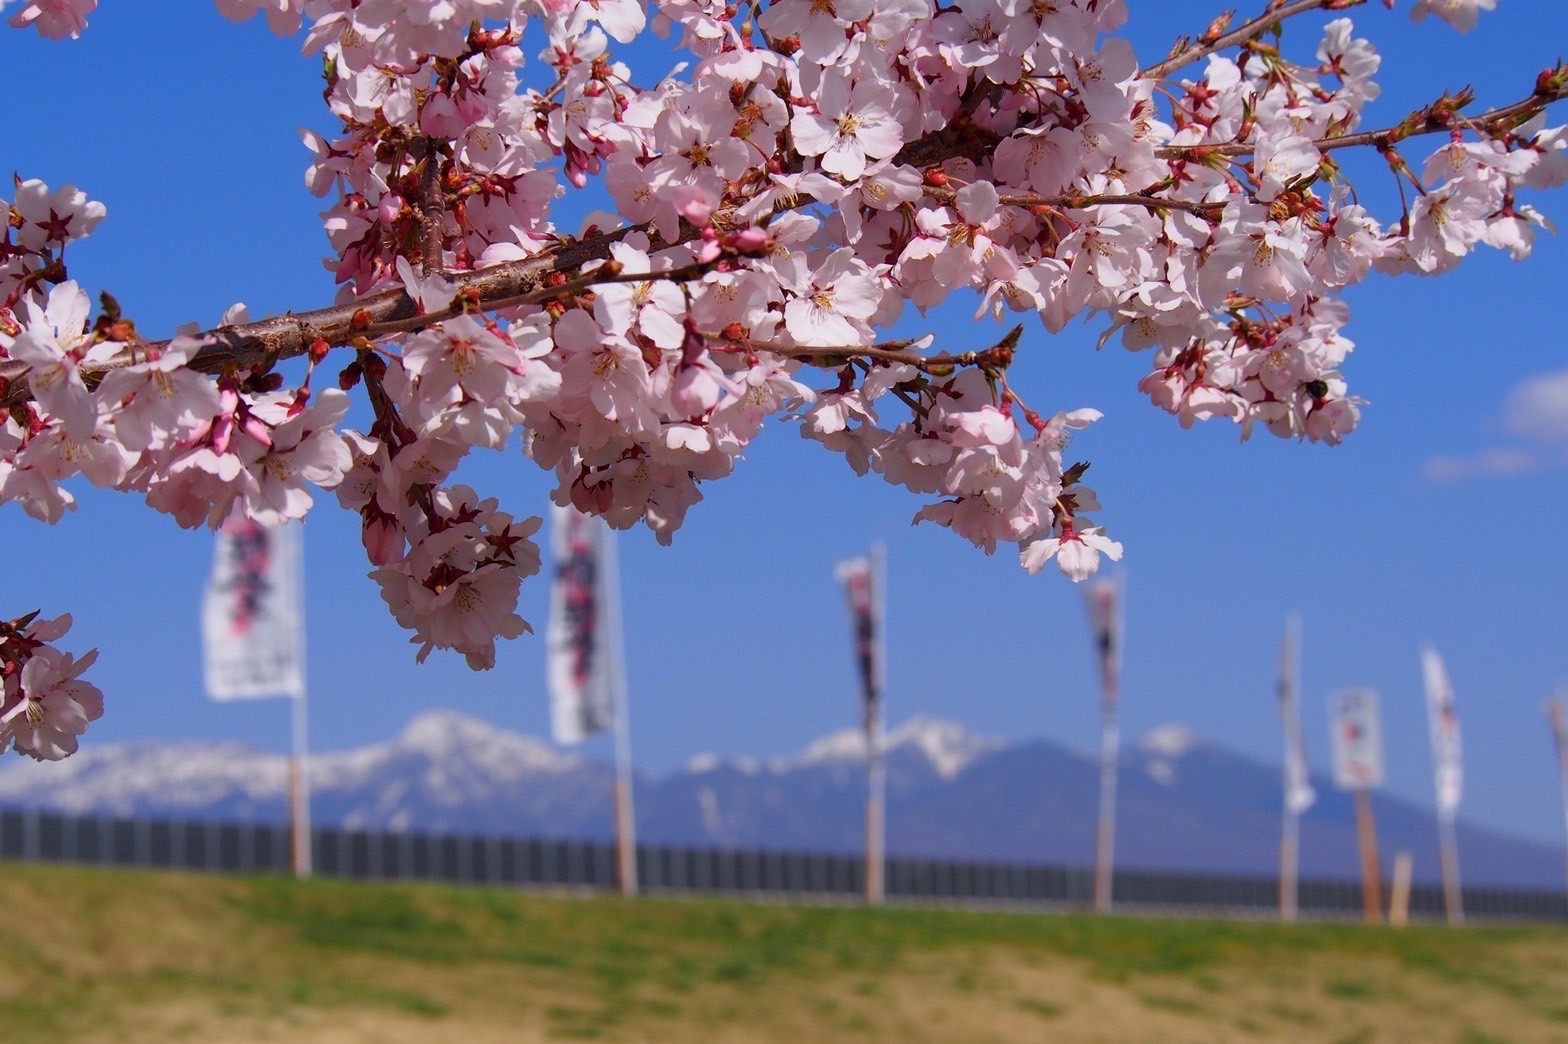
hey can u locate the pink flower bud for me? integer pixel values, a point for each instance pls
(383, 541)
(695, 204)
(695, 390)
(751, 241)
(391, 206)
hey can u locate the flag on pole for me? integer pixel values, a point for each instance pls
(1299, 795)
(252, 624)
(1557, 719)
(1356, 729)
(580, 673)
(1105, 618)
(856, 576)
(585, 658)
(1447, 768)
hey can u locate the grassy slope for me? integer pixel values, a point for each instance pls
(123, 956)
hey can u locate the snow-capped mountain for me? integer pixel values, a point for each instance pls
(443, 771)
(1183, 803)
(946, 745)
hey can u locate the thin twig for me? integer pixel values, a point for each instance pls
(1504, 118)
(888, 351)
(432, 208)
(1083, 202)
(1261, 24)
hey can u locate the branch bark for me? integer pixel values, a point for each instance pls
(1493, 120)
(1277, 13)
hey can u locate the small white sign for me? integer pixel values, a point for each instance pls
(252, 622)
(1357, 734)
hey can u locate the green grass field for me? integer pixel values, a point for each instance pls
(129, 956)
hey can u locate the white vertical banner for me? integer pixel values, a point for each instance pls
(1299, 795)
(1557, 721)
(1105, 599)
(580, 673)
(585, 657)
(252, 623)
(253, 634)
(863, 586)
(1357, 733)
(1447, 774)
(1447, 767)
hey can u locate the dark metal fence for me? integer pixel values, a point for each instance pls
(247, 848)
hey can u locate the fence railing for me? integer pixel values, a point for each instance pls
(249, 848)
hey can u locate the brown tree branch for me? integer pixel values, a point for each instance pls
(1081, 202)
(1211, 42)
(898, 352)
(432, 209)
(1432, 120)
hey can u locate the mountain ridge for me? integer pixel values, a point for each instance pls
(1184, 803)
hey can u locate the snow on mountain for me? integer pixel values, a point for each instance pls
(451, 757)
(946, 745)
(120, 778)
(1169, 741)
(1163, 748)
(1183, 803)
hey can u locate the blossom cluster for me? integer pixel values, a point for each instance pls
(44, 705)
(817, 168)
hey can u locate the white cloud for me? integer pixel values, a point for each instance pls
(1537, 408)
(1476, 465)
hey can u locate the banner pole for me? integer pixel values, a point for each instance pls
(1290, 832)
(1453, 897)
(299, 789)
(625, 814)
(1289, 860)
(1557, 717)
(1371, 869)
(299, 763)
(876, 767)
(1110, 741)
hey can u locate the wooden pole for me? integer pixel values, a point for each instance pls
(625, 849)
(1557, 717)
(299, 759)
(1105, 831)
(1453, 898)
(1289, 844)
(625, 812)
(876, 765)
(1290, 830)
(1110, 741)
(299, 792)
(875, 860)
(1399, 900)
(1371, 870)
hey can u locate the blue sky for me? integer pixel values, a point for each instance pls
(1440, 520)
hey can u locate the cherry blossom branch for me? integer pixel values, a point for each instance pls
(378, 315)
(1083, 202)
(1216, 39)
(999, 354)
(1441, 116)
(432, 209)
